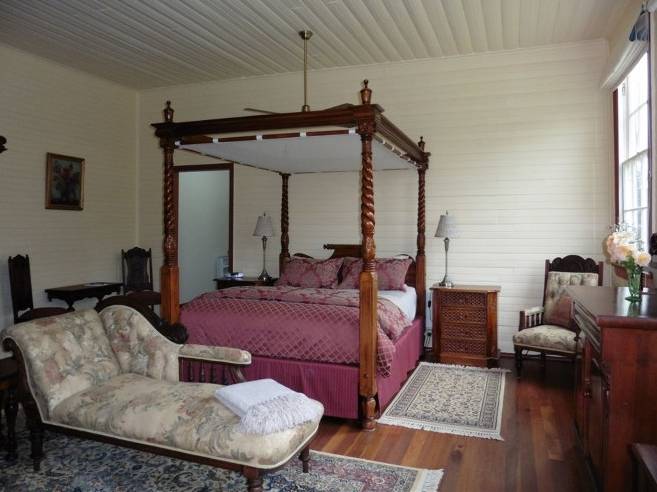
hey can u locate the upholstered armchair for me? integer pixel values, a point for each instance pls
(549, 329)
(112, 376)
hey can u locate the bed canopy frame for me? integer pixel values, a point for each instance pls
(345, 130)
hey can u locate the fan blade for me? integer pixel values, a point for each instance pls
(255, 110)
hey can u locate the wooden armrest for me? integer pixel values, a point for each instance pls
(223, 355)
(531, 317)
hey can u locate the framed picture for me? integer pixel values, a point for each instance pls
(64, 182)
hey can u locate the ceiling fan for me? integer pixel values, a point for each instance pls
(305, 35)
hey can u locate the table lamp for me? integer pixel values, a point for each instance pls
(264, 228)
(446, 229)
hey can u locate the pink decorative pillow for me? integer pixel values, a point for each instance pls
(351, 269)
(310, 273)
(391, 273)
(561, 313)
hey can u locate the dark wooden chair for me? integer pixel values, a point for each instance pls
(137, 274)
(20, 285)
(535, 332)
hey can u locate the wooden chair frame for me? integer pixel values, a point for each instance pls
(20, 284)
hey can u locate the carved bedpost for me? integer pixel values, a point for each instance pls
(368, 279)
(169, 275)
(285, 225)
(420, 257)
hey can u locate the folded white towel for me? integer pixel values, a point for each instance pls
(265, 406)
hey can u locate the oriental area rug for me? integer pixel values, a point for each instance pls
(79, 465)
(451, 399)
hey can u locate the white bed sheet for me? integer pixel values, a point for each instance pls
(406, 300)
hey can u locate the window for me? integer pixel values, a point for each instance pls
(632, 113)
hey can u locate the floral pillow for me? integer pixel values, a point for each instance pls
(391, 273)
(310, 273)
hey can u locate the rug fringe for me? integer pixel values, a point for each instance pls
(432, 481)
(468, 368)
(440, 428)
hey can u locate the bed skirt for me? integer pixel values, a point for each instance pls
(336, 385)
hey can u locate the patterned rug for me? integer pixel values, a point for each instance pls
(80, 465)
(452, 399)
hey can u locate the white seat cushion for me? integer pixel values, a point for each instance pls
(184, 416)
(549, 337)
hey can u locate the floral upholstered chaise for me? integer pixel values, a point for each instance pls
(111, 375)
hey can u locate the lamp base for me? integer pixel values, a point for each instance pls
(445, 282)
(264, 276)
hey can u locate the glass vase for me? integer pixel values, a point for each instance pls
(634, 284)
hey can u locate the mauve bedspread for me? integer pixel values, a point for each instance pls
(318, 325)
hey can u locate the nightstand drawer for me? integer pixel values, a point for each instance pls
(454, 314)
(461, 346)
(471, 299)
(466, 331)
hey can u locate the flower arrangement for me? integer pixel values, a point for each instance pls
(623, 249)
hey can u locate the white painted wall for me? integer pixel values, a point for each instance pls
(203, 207)
(46, 107)
(520, 145)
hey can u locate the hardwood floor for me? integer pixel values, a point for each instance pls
(539, 452)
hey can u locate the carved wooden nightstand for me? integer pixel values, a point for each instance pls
(224, 283)
(465, 324)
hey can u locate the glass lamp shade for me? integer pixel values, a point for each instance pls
(264, 226)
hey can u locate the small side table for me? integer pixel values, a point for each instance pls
(645, 467)
(8, 388)
(224, 283)
(73, 293)
(465, 324)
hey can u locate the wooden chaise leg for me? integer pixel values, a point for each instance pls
(11, 410)
(253, 479)
(305, 458)
(518, 362)
(35, 426)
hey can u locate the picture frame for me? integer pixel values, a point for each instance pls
(64, 182)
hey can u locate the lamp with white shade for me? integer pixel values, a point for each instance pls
(264, 229)
(446, 229)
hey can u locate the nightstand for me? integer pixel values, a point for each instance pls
(224, 283)
(465, 324)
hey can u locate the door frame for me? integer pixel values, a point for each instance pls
(226, 166)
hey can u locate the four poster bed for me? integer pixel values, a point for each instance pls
(369, 360)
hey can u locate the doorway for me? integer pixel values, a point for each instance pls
(204, 196)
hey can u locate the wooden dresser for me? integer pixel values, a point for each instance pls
(616, 380)
(465, 324)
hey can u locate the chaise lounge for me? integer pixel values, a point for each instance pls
(114, 376)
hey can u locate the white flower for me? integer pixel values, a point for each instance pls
(642, 258)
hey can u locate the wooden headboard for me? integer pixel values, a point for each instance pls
(354, 251)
